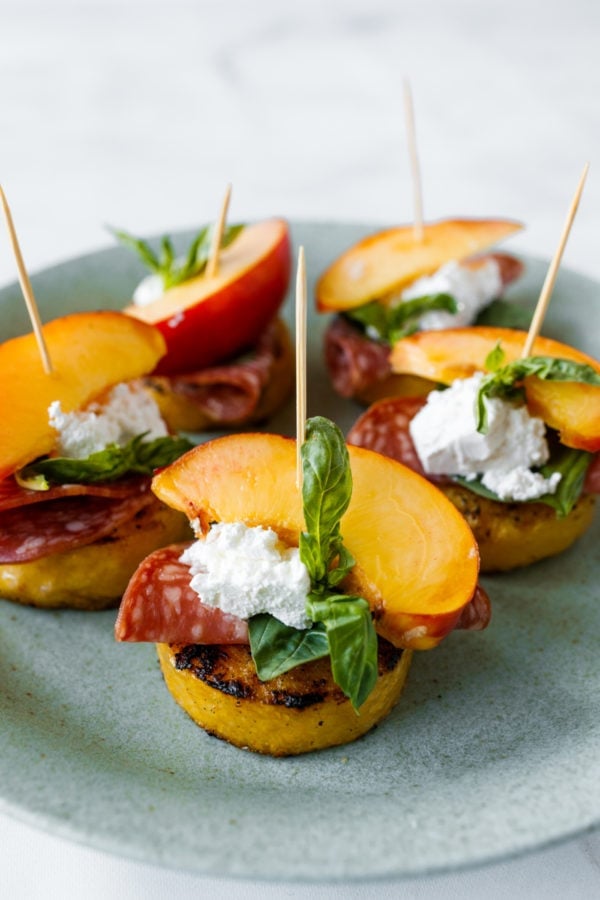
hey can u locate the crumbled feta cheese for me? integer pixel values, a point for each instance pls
(246, 571)
(127, 411)
(472, 288)
(447, 442)
(149, 289)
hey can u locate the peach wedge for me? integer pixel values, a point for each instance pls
(571, 408)
(206, 320)
(416, 558)
(384, 263)
(89, 352)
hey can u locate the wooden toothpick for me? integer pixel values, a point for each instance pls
(26, 288)
(300, 362)
(409, 116)
(544, 300)
(212, 266)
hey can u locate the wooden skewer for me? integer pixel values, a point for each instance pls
(409, 116)
(212, 266)
(26, 288)
(544, 300)
(300, 362)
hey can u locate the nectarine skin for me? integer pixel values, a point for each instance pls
(416, 558)
(209, 320)
(572, 408)
(89, 352)
(382, 264)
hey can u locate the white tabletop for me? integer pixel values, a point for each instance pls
(138, 114)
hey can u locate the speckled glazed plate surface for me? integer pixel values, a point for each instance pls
(493, 750)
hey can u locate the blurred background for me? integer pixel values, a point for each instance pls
(137, 114)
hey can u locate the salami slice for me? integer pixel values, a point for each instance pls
(355, 362)
(159, 605)
(477, 613)
(384, 428)
(592, 478)
(229, 393)
(64, 523)
(13, 495)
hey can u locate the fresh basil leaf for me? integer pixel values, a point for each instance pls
(548, 368)
(352, 642)
(326, 492)
(572, 465)
(276, 648)
(504, 314)
(495, 358)
(136, 457)
(167, 266)
(33, 482)
(391, 323)
(142, 248)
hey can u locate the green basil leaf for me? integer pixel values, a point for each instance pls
(502, 382)
(495, 358)
(276, 648)
(504, 314)
(392, 323)
(326, 492)
(142, 248)
(167, 266)
(352, 642)
(572, 465)
(136, 457)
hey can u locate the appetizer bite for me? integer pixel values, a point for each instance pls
(229, 360)
(513, 442)
(77, 448)
(392, 284)
(289, 624)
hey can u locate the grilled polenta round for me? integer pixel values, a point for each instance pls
(511, 535)
(300, 711)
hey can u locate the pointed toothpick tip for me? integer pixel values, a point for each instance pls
(548, 286)
(212, 266)
(409, 117)
(26, 287)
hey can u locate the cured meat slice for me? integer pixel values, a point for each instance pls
(159, 605)
(477, 613)
(28, 533)
(13, 495)
(384, 428)
(592, 479)
(229, 393)
(355, 362)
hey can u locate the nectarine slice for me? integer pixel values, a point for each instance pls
(416, 558)
(384, 263)
(89, 352)
(573, 409)
(207, 320)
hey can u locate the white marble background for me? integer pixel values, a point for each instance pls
(138, 113)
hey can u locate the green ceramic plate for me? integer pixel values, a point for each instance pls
(493, 751)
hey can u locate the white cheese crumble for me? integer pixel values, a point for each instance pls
(447, 442)
(128, 410)
(472, 288)
(149, 289)
(245, 571)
